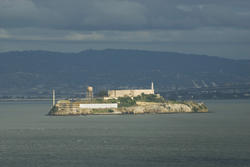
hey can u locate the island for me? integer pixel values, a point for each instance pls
(141, 104)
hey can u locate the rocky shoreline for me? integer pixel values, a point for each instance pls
(139, 108)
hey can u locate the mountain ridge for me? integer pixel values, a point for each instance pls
(114, 50)
(27, 72)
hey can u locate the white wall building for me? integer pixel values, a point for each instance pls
(99, 106)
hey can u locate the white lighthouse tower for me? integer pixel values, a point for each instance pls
(152, 85)
(53, 98)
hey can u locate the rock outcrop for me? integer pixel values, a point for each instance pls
(139, 108)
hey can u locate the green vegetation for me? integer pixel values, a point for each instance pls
(53, 110)
(112, 101)
(98, 100)
(195, 109)
(126, 101)
(102, 93)
(110, 110)
(177, 102)
(122, 101)
(202, 107)
(150, 98)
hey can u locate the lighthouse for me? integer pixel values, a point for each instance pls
(53, 98)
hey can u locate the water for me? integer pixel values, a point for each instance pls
(221, 138)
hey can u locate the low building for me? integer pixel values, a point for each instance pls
(99, 106)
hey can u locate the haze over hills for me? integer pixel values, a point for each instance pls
(37, 72)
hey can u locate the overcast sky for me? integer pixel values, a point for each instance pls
(211, 27)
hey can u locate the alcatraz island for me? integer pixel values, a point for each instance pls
(117, 102)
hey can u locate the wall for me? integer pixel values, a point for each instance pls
(97, 106)
(131, 93)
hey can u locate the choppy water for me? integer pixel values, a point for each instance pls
(221, 138)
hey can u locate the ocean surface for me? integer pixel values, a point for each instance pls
(220, 138)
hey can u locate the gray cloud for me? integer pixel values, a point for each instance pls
(77, 14)
(123, 14)
(146, 24)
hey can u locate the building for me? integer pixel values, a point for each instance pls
(114, 94)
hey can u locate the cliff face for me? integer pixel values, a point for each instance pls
(139, 108)
(146, 107)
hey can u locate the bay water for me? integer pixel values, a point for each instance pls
(220, 138)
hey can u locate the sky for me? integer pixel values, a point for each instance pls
(210, 27)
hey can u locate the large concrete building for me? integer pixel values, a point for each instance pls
(113, 94)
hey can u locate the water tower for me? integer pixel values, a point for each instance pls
(89, 94)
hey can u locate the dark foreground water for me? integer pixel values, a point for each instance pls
(221, 138)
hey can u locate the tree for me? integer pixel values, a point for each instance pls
(102, 93)
(126, 101)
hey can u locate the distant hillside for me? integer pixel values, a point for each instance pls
(37, 72)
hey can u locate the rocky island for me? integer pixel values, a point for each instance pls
(142, 104)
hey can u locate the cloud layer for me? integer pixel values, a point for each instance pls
(165, 21)
(124, 14)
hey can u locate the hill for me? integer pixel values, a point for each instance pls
(37, 72)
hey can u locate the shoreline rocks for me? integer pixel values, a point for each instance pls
(139, 108)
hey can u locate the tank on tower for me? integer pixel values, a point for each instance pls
(89, 94)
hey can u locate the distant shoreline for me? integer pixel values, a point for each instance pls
(6, 100)
(41, 99)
